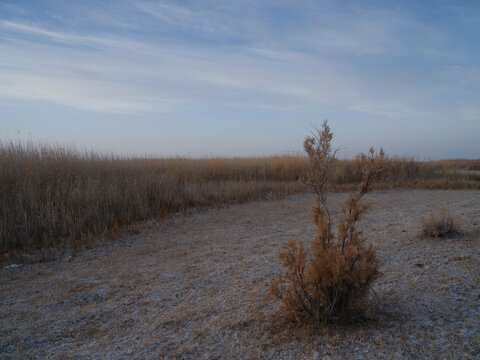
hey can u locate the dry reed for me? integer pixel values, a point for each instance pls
(54, 196)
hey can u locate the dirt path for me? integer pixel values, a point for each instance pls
(196, 287)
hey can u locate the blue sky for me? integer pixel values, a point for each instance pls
(242, 78)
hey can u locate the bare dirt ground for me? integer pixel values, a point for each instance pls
(195, 287)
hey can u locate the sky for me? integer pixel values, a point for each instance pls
(206, 78)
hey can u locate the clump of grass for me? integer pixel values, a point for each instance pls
(329, 283)
(440, 224)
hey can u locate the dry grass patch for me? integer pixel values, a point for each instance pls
(440, 224)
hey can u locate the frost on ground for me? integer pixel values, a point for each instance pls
(195, 287)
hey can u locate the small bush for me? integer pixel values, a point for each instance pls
(440, 224)
(330, 283)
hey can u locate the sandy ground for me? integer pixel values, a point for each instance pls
(195, 287)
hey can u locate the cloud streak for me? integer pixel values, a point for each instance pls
(116, 77)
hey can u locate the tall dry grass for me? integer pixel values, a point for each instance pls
(52, 195)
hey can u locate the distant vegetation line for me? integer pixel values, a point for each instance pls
(53, 196)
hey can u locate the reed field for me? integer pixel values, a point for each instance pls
(55, 196)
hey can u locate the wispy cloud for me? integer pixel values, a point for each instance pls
(212, 20)
(82, 93)
(64, 37)
(130, 75)
(315, 57)
(51, 35)
(172, 13)
(357, 33)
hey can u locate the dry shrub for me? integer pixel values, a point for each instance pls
(330, 283)
(440, 224)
